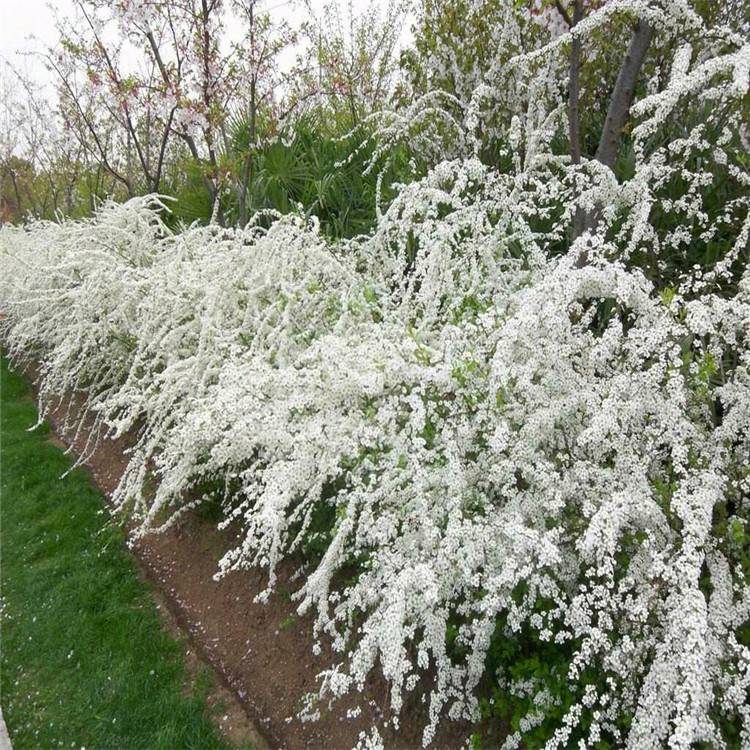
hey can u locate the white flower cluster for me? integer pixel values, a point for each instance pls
(449, 423)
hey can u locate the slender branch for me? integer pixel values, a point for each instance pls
(182, 133)
(102, 151)
(112, 70)
(564, 13)
(163, 150)
(574, 104)
(574, 115)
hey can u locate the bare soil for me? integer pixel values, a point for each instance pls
(261, 653)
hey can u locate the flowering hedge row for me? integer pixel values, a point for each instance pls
(472, 432)
(476, 438)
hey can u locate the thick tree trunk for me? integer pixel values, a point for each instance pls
(622, 96)
(617, 114)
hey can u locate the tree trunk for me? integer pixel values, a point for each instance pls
(617, 113)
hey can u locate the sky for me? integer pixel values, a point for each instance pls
(22, 19)
(19, 19)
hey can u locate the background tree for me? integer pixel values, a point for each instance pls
(348, 66)
(256, 113)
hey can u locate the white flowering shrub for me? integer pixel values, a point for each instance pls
(513, 467)
(70, 294)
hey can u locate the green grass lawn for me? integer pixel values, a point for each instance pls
(85, 661)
